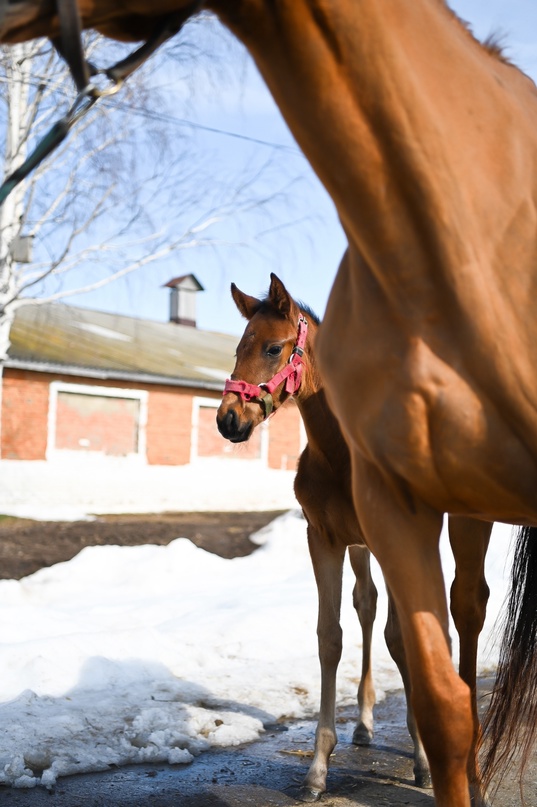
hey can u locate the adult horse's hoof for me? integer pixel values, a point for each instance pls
(309, 794)
(362, 735)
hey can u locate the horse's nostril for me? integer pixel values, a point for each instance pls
(228, 424)
(232, 422)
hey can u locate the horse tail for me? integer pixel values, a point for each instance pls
(510, 724)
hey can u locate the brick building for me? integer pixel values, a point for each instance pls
(80, 382)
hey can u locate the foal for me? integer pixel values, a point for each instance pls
(271, 347)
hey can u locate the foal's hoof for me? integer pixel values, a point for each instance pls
(422, 778)
(309, 794)
(362, 735)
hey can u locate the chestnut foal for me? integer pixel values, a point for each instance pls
(278, 344)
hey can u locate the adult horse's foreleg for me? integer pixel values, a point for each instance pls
(394, 642)
(327, 560)
(404, 536)
(364, 597)
(469, 540)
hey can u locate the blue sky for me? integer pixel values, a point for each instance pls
(305, 253)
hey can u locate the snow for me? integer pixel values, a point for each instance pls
(152, 654)
(63, 488)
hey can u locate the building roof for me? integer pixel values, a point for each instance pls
(55, 337)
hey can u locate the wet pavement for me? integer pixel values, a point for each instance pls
(268, 773)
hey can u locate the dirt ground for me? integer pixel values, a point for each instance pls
(26, 546)
(267, 773)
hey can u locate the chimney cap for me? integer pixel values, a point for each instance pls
(186, 281)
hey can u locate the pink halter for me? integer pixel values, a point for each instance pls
(291, 374)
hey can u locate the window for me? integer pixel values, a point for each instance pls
(97, 420)
(208, 442)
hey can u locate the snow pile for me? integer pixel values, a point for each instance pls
(156, 653)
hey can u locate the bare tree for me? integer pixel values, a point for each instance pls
(106, 202)
(109, 199)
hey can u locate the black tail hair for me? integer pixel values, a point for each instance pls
(510, 725)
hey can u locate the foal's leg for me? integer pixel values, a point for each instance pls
(404, 536)
(469, 596)
(364, 597)
(327, 560)
(394, 641)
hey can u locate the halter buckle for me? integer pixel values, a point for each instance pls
(267, 403)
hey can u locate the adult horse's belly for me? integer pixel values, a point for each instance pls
(432, 431)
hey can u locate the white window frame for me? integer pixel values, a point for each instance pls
(197, 403)
(57, 387)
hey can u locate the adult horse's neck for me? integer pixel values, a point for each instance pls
(371, 91)
(423, 139)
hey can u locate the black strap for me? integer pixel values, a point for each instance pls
(169, 27)
(70, 43)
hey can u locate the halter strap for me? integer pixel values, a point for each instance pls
(291, 374)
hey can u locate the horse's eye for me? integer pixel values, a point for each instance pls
(274, 351)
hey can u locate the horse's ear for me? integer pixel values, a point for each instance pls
(247, 305)
(278, 295)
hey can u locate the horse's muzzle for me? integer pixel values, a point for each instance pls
(231, 428)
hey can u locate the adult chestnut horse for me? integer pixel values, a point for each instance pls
(278, 345)
(427, 144)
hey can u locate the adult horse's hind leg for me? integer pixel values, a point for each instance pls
(364, 597)
(404, 536)
(394, 642)
(469, 540)
(327, 558)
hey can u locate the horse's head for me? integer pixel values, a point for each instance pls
(126, 20)
(269, 362)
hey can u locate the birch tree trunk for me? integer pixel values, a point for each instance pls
(18, 71)
(18, 74)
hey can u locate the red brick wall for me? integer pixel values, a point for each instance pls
(25, 404)
(169, 424)
(284, 438)
(24, 415)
